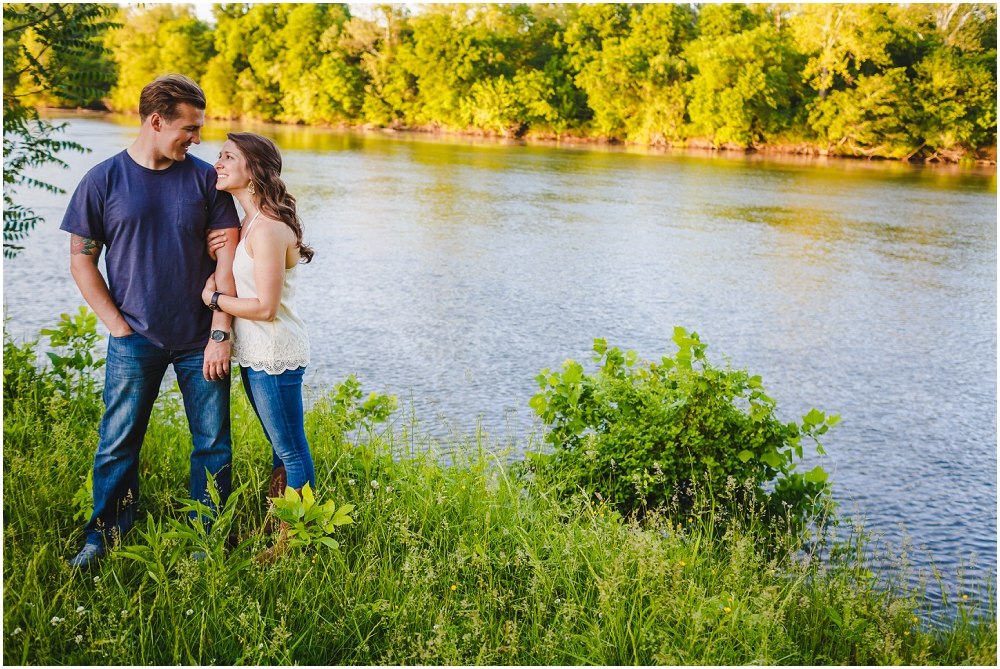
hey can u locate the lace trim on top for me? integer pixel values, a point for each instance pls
(273, 352)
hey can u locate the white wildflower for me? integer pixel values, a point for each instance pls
(388, 488)
(350, 481)
(56, 620)
(124, 612)
(189, 611)
(79, 638)
(375, 484)
(80, 610)
(558, 600)
(97, 579)
(17, 630)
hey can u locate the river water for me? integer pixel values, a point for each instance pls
(450, 271)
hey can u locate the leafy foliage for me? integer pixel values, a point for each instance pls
(308, 522)
(640, 435)
(77, 334)
(910, 81)
(51, 52)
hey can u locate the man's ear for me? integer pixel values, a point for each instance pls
(156, 121)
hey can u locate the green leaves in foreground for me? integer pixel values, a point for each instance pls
(308, 521)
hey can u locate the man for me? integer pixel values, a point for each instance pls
(151, 206)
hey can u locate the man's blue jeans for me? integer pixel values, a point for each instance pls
(277, 401)
(134, 370)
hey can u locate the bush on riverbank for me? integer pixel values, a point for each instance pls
(640, 434)
(450, 560)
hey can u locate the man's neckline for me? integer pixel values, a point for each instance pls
(166, 169)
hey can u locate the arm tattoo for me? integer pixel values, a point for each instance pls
(82, 246)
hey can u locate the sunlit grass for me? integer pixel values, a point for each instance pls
(451, 560)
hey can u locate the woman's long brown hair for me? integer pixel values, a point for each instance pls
(264, 164)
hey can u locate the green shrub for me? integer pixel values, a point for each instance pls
(640, 434)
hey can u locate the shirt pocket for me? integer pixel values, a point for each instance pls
(192, 214)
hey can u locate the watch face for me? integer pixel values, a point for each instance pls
(218, 335)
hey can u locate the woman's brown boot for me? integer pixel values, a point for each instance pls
(280, 546)
(279, 480)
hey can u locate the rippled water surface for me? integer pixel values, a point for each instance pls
(451, 272)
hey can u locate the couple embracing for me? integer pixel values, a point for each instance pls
(189, 285)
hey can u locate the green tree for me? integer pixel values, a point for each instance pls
(241, 81)
(373, 45)
(858, 60)
(629, 64)
(154, 41)
(317, 84)
(46, 51)
(744, 82)
(453, 47)
(955, 104)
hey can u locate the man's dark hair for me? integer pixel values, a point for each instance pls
(163, 94)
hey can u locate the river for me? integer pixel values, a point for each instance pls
(449, 271)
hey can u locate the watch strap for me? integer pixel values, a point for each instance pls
(214, 305)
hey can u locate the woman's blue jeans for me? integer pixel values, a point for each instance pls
(277, 401)
(135, 368)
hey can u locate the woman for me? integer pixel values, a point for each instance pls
(269, 340)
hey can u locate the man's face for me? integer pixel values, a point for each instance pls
(174, 137)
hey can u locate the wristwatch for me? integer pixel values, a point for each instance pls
(219, 335)
(214, 304)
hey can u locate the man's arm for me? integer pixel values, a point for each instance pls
(216, 365)
(83, 257)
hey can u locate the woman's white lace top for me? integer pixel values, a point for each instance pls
(272, 347)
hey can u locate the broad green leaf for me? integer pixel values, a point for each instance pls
(814, 417)
(744, 455)
(834, 616)
(327, 541)
(772, 458)
(816, 475)
(600, 345)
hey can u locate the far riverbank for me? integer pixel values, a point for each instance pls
(798, 151)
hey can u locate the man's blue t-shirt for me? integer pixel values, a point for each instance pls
(153, 223)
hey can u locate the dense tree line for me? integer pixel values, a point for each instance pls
(902, 81)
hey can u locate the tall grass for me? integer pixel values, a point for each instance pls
(451, 561)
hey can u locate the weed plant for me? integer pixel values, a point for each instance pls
(449, 560)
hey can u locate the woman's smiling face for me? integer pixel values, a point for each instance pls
(231, 168)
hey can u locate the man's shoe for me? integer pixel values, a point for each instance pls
(88, 556)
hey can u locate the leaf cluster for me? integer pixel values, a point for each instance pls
(639, 435)
(76, 334)
(52, 51)
(309, 522)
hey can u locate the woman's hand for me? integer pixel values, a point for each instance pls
(217, 239)
(209, 291)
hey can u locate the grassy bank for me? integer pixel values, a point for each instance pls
(454, 560)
